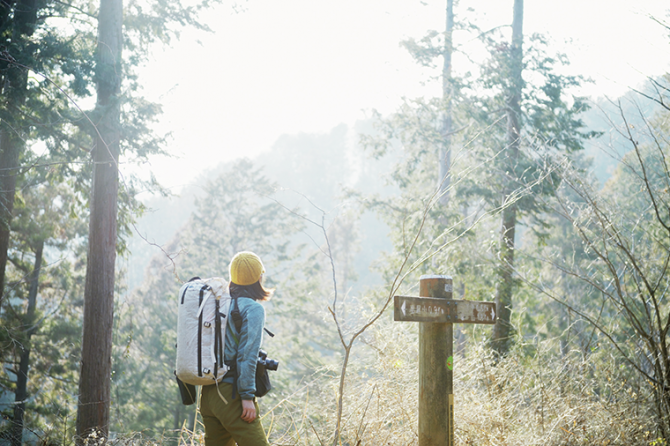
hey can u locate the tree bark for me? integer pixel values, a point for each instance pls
(21, 393)
(502, 330)
(96, 356)
(10, 149)
(447, 96)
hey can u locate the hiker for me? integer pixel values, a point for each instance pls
(238, 420)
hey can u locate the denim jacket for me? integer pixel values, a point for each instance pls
(242, 348)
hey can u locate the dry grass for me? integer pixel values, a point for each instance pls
(532, 397)
(525, 399)
(548, 399)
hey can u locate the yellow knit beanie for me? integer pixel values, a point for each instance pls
(246, 268)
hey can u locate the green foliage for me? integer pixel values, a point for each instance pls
(427, 49)
(551, 125)
(47, 71)
(43, 68)
(53, 334)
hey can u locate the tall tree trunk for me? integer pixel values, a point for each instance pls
(96, 355)
(21, 393)
(502, 330)
(447, 96)
(10, 149)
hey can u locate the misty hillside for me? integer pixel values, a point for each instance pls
(312, 172)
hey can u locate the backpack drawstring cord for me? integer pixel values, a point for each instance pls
(219, 392)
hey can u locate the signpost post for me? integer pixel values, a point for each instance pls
(437, 311)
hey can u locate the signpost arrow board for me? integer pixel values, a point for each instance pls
(429, 309)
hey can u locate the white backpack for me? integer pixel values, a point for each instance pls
(201, 331)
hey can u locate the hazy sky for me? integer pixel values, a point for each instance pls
(307, 65)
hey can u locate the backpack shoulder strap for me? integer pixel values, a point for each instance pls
(236, 316)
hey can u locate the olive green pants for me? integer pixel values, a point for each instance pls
(223, 425)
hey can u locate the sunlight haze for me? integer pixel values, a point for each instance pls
(302, 66)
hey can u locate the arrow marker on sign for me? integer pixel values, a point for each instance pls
(403, 308)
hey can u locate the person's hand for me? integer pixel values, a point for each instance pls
(248, 411)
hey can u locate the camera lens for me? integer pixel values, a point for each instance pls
(271, 364)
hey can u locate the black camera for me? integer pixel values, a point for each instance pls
(269, 364)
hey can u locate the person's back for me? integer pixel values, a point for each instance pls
(242, 346)
(236, 419)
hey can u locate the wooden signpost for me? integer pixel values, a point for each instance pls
(437, 312)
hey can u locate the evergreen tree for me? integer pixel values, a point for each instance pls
(541, 127)
(503, 329)
(41, 289)
(41, 68)
(109, 132)
(510, 134)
